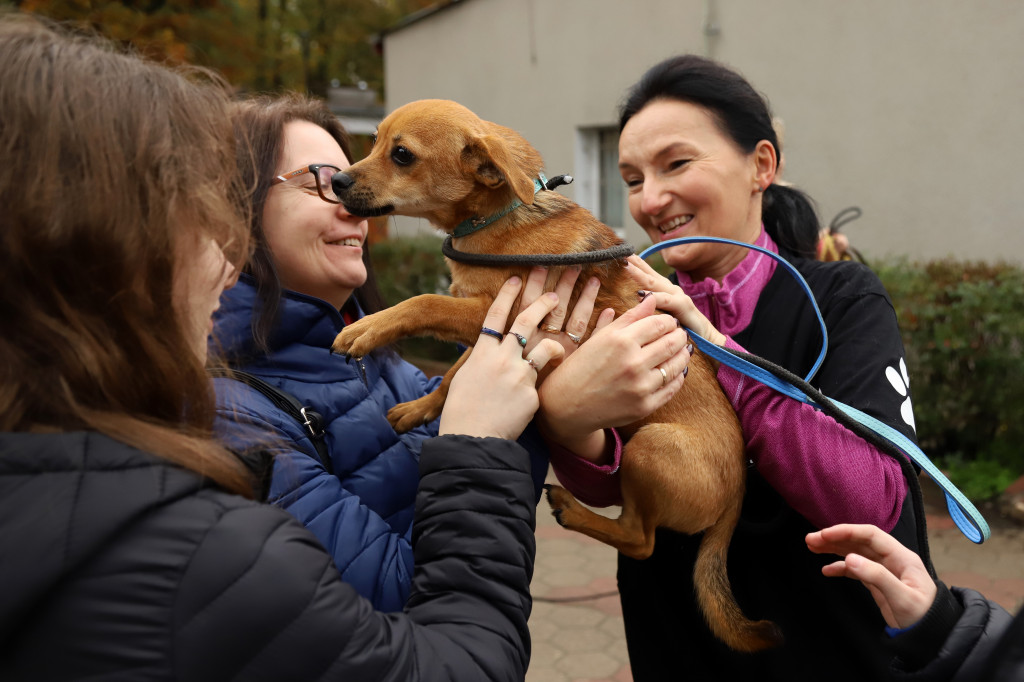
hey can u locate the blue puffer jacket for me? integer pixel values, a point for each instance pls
(362, 513)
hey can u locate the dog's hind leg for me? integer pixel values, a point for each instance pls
(407, 416)
(653, 478)
(628, 533)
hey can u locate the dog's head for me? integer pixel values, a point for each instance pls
(436, 159)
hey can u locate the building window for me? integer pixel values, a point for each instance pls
(599, 186)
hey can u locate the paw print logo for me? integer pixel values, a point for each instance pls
(901, 382)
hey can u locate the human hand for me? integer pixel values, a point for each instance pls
(494, 393)
(614, 378)
(551, 326)
(671, 299)
(895, 575)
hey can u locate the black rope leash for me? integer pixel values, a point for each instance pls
(493, 260)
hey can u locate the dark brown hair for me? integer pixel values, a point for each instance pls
(114, 170)
(259, 128)
(741, 113)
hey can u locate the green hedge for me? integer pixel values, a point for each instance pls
(960, 325)
(964, 337)
(409, 267)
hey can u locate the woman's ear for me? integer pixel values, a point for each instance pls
(766, 164)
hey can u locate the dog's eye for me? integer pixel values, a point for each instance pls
(373, 139)
(402, 156)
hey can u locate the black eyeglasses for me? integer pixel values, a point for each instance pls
(322, 172)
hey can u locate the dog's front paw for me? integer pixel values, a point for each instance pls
(358, 339)
(407, 416)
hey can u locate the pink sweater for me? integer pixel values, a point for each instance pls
(789, 442)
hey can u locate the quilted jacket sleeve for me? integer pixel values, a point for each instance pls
(978, 642)
(262, 601)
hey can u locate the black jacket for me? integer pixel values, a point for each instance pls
(832, 628)
(963, 638)
(119, 565)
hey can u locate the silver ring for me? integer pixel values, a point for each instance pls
(552, 329)
(664, 376)
(531, 363)
(577, 339)
(520, 338)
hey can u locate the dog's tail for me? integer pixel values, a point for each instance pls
(714, 593)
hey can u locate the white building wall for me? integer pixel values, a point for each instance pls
(912, 110)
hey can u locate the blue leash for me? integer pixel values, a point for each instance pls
(967, 518)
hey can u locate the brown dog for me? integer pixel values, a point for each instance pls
(683, 466)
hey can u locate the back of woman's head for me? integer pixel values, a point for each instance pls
(744, 116)
(114, 171)
(259, 123)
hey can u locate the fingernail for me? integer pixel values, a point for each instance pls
(689, 348)
(514, 279)
(686, 370)
(552, 295)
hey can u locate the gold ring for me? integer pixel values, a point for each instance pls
(552, 329)
(574, 338)
(664, 376)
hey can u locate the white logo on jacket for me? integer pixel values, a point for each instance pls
(901, 382)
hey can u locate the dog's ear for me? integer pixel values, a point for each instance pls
(490, 160)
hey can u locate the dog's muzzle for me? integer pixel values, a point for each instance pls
(342, 184)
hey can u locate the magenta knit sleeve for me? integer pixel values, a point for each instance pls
(823, 470)
(597, 486)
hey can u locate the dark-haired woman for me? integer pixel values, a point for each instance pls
(698, 155)
(310, 276)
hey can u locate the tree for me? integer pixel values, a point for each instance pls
(259, 45)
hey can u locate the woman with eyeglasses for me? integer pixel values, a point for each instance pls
(133, 544)
(309, 276)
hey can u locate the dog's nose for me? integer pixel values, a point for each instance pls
(341, 182)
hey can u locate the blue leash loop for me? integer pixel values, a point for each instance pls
(966, 516)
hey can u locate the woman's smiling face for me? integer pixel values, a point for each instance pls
(316, 245)
(685, 177)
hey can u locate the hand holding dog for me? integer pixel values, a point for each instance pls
(574, 323)
(670, 298)
(614, 378)
(495, 393)
(895, 575)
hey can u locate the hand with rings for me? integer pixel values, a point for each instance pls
(566, 328)
(494, 393)
(628, 368)
(670, 298)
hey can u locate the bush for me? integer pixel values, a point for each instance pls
(963, 336)
(407, 268)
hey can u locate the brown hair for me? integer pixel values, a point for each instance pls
(114, 169)
(259, 129)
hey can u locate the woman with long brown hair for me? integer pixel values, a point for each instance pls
(310, 275)
(133, 544)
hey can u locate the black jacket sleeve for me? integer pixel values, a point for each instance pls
(261, 599)
(980, 642)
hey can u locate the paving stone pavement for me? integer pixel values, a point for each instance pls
(582, 640)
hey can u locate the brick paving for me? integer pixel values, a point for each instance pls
(583, 641)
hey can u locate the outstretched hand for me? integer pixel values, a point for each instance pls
(494, 394)
(895, 575)
(670, 298)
